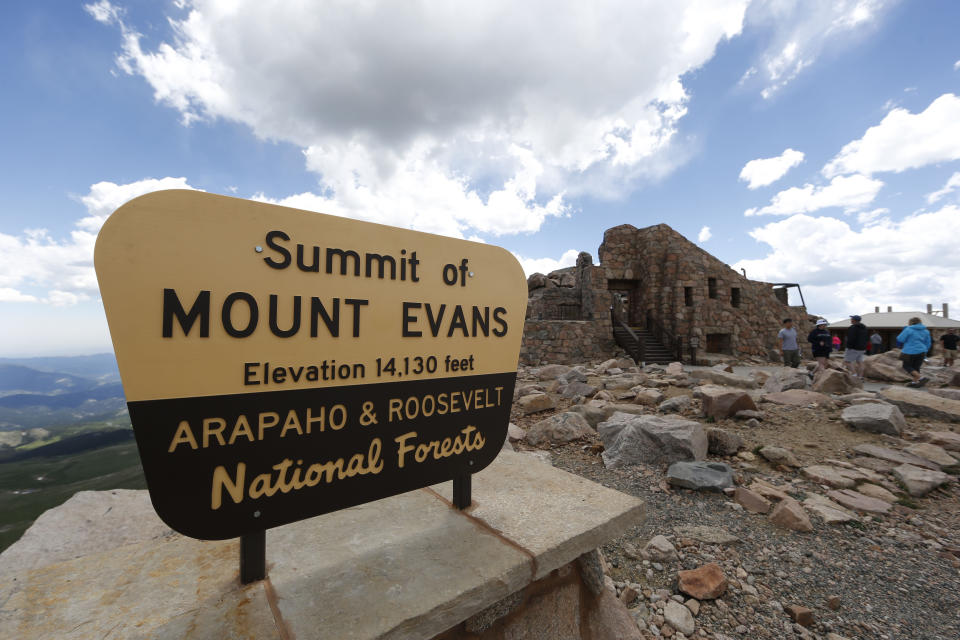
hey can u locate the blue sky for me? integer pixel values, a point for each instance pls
(534, 128)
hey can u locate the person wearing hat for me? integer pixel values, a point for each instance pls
(821, 344)
(857, 340)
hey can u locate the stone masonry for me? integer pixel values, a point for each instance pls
(662, 283)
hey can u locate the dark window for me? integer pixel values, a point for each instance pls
(688, 296)
(712, 287)
(735, 296)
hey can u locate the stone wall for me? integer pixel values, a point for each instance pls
(674, 283)
(674, 289)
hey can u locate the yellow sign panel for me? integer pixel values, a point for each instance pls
(280, 363)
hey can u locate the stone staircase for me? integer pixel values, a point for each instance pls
(653, 351)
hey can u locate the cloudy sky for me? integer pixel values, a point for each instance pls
(810, 141)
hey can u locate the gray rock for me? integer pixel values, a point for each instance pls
(722, 402)
(676, 404)
(922, 404)
(723, 443)
(779, 455)
(891, 455)
(875, 418)
(535, 403)
(552, 371)
(646, 439)
(575, 389)
(592, 414)
(833, 381)
(785, 379)
(558, 429)
(660, 549)
(679, 617)
(722, 378)
(710, 476)
(919, 482)
(933, 453)
(591, 571)
(515, 433)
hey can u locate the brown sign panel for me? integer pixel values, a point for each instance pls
(279, 364)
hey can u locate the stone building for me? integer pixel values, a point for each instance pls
(669, 292)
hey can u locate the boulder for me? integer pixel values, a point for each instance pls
(648, 397)
(859, 502)
(535, 403)
(723, 443)
(723, 378)
(648, 439)
(799, 398)
(577, 388)
(891, 455)
(676, 404)
(833, 381)
(788, 514)
(828, 510)
(933, 453)
(703, 583)
(946, 439)
(675, 369)
(515, 433)
(552, 371)
(950, 394)
(779, 455)
(723, 402)
(659, 549)
(609, 364)
(785, 379)
(825, 474)
(574, 375)
(886, 366)
(558, 429)
(920, 403)
(752, 502)
(679, 617)
(592, 414)
(875, 418)
(919, 482)
(700, 476)
(876, 491)
(568, 280)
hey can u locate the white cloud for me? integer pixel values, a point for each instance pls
(61, 270)
(873, 217)
(103, 11)
(953, 183)
(956, 65)
(704, 235)
(904, 140)
(844, 271)
(802, 30)
(763, 171)
(546, 265)
(497, 111)
(849, 192)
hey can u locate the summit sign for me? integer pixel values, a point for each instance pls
(279, 364)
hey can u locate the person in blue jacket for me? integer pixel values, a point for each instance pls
(916, 343)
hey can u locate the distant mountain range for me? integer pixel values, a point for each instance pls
(56, 392)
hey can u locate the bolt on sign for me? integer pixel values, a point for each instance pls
(279, 364)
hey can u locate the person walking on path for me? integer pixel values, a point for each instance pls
(876, 342)
(949, 340)
(857, 341)
(821, 344)
(916, 343)
(789, 348)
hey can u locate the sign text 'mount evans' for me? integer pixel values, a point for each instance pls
(280, 364)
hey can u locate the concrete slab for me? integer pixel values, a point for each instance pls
(409, 566)
(573, 515)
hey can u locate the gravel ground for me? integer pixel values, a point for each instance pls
(891, 574)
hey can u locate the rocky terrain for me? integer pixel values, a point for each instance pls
(778, 506)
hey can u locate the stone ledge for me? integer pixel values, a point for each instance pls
(410, 566)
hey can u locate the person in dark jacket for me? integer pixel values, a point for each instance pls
(857, 340)
(821, 343)
(916, 343)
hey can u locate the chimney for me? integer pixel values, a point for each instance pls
(946, 310)
(929, 309)
(889, 309)
(876, 309)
